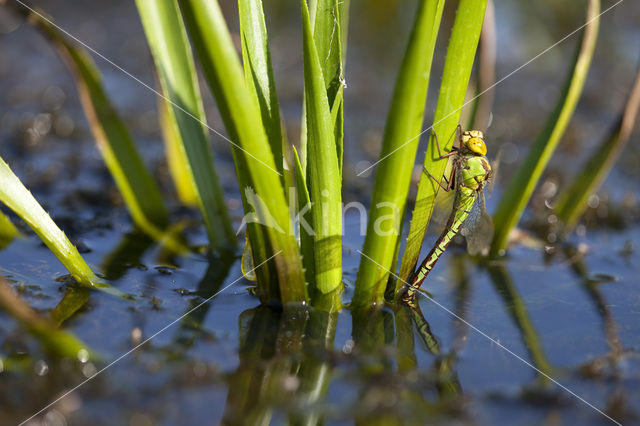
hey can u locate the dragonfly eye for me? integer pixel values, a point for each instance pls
(477, 146)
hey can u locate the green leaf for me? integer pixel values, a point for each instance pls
(397, 157)
(259, 73)
(572, 202)
(519, 191)
(329, 21)
(323, 175)
(453, 87)
(281, 278)
(174, 62)
(327, 38)
(15, 196)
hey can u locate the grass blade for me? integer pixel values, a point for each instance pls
(327, 37)
(18, 198)
(517, 194)
(174, 62)
(138, 189)
(398, 154)
(281, 278)
(329, 34)
(306, 237)
(572, 202)
(59, 342)
(455, 79)
(177, 159)
(259, 72)
(323, 175)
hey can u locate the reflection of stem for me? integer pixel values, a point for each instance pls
(371, 329)
(127, 254)
(447, 381)
(74, 298)
(314, 373)
(191, 324)
(407, 360)
(462, 298)
(609, 323)
(247, 384)
(518, 311)
(59, 342)
(280, 352)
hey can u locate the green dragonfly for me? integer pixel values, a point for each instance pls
(470, 173)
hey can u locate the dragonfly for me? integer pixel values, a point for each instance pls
(470, 173)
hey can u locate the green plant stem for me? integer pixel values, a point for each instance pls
(572, 202)
(323, 175)
(282, 278)
(399, 147)
(171, 51)
(518, 193)
(259, 73)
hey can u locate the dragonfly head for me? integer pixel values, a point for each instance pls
(473, 140)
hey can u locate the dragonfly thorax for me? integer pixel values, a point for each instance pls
(473, 172)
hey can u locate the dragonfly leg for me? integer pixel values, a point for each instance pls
(454, 151)
(446, 187)
(451, 182)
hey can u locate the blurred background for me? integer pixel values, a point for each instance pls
(45, 138)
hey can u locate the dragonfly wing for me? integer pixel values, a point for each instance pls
(478, 228)
(495, 170)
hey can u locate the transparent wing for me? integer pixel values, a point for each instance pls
(478, 228)
(495, 170)
(443, 207)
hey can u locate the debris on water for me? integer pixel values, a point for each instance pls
(347, 348)
(82, 247)
(156, 304)
(199, 369)
(136, 335)
(41, 368)
(628, 249)
(165, 270)
(290, 383)
(68, 279)
(601, 279)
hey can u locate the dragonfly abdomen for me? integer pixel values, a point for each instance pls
(463, 205)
